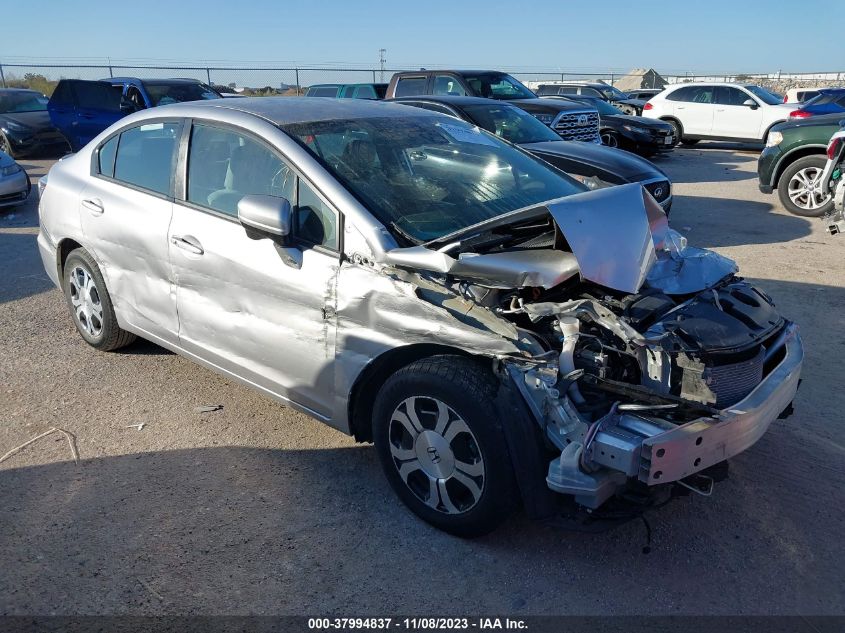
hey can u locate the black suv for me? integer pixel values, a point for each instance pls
(572, 121)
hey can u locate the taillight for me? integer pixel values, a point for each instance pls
(648, 106)
(833, 147)
(786, 98)
(799, 114)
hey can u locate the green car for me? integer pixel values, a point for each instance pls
(793, 162)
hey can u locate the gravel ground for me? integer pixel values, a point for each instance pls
(257, 509)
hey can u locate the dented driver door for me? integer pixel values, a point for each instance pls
(247, 311)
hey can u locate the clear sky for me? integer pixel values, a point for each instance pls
(673, 36)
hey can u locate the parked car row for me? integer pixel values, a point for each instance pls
(502, 334)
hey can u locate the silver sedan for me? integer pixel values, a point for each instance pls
(14, 182)
(500, 333)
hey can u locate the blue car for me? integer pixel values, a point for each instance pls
(828, 101)
(81, 109)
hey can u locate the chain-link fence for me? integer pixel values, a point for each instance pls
(293, 81)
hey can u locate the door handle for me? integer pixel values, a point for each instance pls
(187, 243)
(680, 107)
(94, 205)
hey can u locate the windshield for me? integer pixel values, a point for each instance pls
(22, 102)
(165, 93)
(498, 86)
(764, 95)
(430, 176)
(510, 123)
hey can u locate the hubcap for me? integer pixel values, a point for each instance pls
(805, 189)
(436, 454)
(85, 299)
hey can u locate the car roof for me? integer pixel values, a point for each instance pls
(169, 80)
(453, 100)
(287, 110)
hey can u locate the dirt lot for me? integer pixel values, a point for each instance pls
(257, 509)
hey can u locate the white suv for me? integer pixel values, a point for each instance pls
(741, 112)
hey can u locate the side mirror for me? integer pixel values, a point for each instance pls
(127, 107)
(750, 103)
(265, 215)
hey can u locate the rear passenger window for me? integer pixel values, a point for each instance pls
(106, 157)
(225, 165)
(145, 156)
(98, 95)
(410, 86)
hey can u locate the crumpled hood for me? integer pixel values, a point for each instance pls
(619, 238)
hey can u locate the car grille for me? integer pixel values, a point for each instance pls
(660, 190)
(731, 383)
(13, 197)
(578, 126)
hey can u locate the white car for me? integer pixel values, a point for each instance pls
(720, 111)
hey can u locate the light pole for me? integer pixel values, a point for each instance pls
(381, 60)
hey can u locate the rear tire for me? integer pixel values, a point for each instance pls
(689, 141)
(439, 438)
(90, 304)
(800, 190)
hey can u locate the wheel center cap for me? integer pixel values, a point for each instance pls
(435, 455)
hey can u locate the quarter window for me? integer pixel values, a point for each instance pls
(314, 221)
(144, 156)
(225, 165)
(106, 156)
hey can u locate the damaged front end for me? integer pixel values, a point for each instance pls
(643, 361)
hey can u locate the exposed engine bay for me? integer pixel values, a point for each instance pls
(644, 360)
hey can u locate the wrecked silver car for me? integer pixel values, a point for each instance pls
(500, 333)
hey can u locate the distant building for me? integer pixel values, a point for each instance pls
(640, 78)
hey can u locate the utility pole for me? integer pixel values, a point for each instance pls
(381, 60)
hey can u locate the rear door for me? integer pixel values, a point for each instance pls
(694, 107)
(125, 214)
(732, 119)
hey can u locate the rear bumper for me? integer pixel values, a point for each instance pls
(697, 445)
(49, 257)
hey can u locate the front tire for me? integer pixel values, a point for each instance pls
(90, 304)
(439, 438)
(800, 189)
(610, 138)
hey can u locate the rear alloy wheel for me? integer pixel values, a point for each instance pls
(440, 443)
(90, 305)
(801, 190)
(677, 130)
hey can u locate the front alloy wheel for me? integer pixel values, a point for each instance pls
(436, 455)
(439, 437)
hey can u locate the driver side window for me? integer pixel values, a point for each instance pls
(225, 165)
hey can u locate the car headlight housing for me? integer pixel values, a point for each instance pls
(9, 170)
(634, 129)
(774, 138)
(544, 118)
(13, 126)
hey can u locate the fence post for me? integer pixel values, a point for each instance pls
(612, 78)
(298, 91)
(2, 76)
(208, 75)
(111, 74)
(374, 76)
